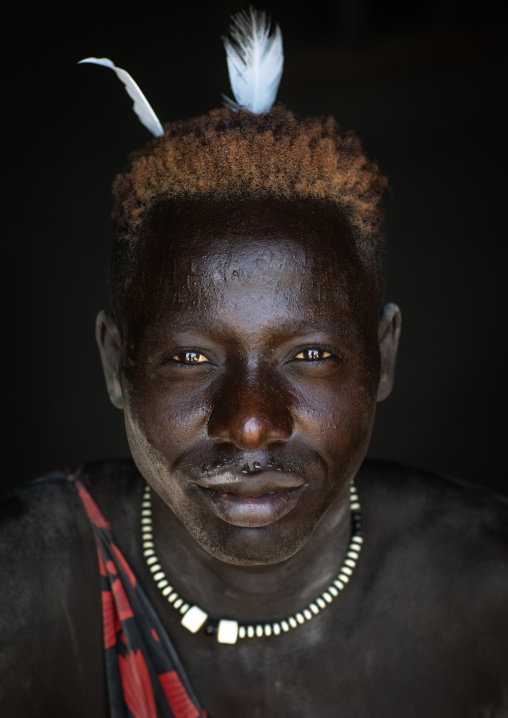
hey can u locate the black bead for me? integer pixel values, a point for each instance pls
(211, 627)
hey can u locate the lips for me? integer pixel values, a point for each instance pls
(252, 502)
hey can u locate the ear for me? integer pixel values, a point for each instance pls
(388, 336)
(108, 339)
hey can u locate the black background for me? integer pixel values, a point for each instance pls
(423, 84)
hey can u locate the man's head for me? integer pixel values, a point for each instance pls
(250, 352)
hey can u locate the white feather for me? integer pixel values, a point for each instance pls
(141, 106)
(255, 59)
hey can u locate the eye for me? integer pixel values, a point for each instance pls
(189, 358)
(313, 354)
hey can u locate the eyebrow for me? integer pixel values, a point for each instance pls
(217, 327)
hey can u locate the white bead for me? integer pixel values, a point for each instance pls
(344, 577)
(250, 631)
(333, 591)
(166, 590)
(346, 570)
(178, 602)
(173, 597)
(276, 629)
(159, 575)
(149, 552)
(268, 630)
(338, 583)
(259, 631)
(146, 512)
(241, 632)
(314, 608)
(194, 619)
(284, 626)
(307, 614)
(146, 521)
(227, 631)
(292, 622)
(355, 507)
(300, 618)
(353, 554)
(349, 562)
(184, 608)
(152, 559)
(357, 539)
(327, 597)
(320, 602)
(162, 583)
(148, 544)
(155, 567)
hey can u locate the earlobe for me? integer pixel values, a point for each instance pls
(108, 339)
(388, 336)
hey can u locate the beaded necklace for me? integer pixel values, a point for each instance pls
(227, 630)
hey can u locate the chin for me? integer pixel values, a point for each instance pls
(252, 546)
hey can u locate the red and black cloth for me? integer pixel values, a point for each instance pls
(145, 676)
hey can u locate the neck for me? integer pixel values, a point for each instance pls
(252, 593)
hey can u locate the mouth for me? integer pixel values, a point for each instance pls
(251, 502)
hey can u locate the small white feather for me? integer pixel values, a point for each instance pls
(141, 106)
(255, 60)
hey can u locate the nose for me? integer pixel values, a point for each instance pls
(250, 413)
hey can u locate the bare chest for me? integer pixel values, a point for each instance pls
(326, 673)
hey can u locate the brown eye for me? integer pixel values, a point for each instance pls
(313, 354)
(189, 358)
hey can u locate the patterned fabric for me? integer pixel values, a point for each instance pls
(144, 674)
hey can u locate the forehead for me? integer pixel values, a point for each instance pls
(202, 256)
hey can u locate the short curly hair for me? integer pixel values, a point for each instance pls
(232, 153)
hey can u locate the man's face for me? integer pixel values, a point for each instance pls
(249, 369)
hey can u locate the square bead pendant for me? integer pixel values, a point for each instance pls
(227, 631)
(194, 618)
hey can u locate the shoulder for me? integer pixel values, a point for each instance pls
(37, 513)
(443, 542)
(50, 611)
(420, 502)
(44, 528)
(43, 525)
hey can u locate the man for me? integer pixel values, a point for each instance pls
(247, 347)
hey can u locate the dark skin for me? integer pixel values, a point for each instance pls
(252, 336)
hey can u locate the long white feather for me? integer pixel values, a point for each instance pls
(255, 59)
(141, 106)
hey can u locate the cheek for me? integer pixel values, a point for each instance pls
(338, 420)
(160, 415)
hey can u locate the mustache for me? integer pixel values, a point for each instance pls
(252, 467)
(201, 462)
(239, 465)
